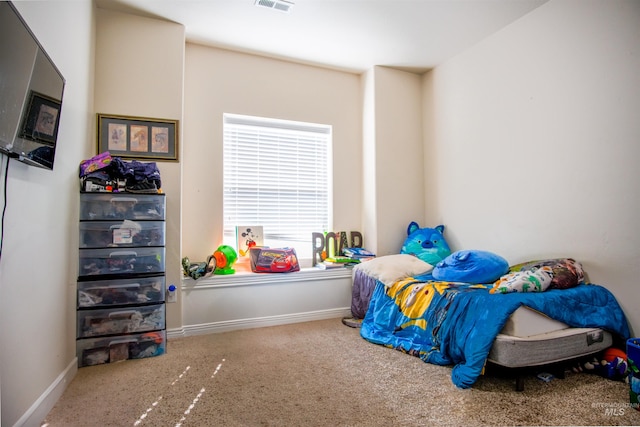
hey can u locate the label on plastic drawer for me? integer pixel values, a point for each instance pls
(122, 236)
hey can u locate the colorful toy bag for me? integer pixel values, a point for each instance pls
(274, 260)
(95, 163)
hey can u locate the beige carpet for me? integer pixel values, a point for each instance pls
(319, 374)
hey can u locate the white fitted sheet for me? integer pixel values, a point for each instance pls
(526, 322)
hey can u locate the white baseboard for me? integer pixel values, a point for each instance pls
(41, 407)
(259, 322)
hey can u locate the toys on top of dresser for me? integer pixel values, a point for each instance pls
(106, 174)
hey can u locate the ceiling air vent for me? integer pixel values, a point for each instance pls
(281, 5)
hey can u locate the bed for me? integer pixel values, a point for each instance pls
(465, 325)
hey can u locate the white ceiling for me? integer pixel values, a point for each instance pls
(351, 35)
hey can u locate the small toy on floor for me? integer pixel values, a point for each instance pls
(545, 376)
(613, 365)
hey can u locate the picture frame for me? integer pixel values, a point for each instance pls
(141, 138)
(247, 237)
(41, 119)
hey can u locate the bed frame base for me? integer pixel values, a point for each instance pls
(550, 352)
(556, 369)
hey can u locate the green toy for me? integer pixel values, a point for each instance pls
(225, 257)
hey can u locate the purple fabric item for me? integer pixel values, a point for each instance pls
(363, 287)
(95, 163)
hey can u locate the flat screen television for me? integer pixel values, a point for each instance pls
(31, 89)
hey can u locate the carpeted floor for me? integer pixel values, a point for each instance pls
(320, 374)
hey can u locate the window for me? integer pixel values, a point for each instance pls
(276, 175)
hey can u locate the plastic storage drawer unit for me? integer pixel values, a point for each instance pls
(104, 293)
(114, 206)
(96, 351)
(121, 283)
(122, 320)
(120, 261)
(127, 233)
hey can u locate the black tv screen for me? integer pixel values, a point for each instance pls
(31, 89)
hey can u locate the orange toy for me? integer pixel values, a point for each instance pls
(611, 353)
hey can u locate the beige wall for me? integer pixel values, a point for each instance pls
(399, 169)
(369, 195)
(392, 153)
(220, 81)
(40, 241)
(530, 150)
(532, 141)
(139, 72)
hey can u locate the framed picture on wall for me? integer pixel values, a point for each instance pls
(140, 138)
(247, 237)
(41, 119)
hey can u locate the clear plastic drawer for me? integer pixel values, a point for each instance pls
(114, 206)
(122, 320)
(104, 293)
(112, 261)
(127, 233)
(96, 351)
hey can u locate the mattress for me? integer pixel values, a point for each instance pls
(525, 322)
(528, 338)
(546, 348)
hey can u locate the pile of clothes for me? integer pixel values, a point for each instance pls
(105, 173)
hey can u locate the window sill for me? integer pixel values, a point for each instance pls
(246, 278)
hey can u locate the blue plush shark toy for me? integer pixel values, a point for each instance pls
(428, 244)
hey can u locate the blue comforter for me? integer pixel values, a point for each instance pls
(455, 323)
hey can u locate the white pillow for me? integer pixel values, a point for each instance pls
(390, 268)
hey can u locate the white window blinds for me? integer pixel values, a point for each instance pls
(276, 175)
